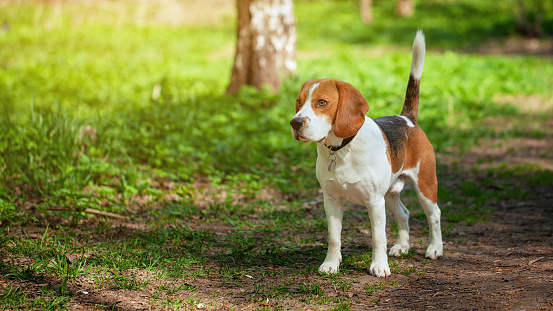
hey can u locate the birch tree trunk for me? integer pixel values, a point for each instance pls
(367, 11)
(405, 7)
(266, 44)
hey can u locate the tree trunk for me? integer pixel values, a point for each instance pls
(367, 11)
(529, 17)
(266, 44)
(405, 8)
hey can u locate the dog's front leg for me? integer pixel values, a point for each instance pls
(377, 215)
(334, 214)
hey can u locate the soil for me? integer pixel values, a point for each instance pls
(504, 264)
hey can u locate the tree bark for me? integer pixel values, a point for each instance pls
(367, 11)
(266, 44)
(405, 8)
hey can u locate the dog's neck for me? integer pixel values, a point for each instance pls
(334, 146)
(332, 140)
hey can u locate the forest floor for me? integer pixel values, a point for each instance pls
(502, 263)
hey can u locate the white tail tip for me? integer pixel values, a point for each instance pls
(418, 55)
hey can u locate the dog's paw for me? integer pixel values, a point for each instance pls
(328, 267)
(380, 270)
(399, 249)
(434, 251)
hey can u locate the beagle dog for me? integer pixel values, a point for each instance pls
(366, 161)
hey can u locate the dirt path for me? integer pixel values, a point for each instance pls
(504, 264)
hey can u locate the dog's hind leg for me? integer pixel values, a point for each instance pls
(435, 245)
(401, 216)
(427, 191)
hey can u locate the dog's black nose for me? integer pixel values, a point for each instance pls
(296, 123)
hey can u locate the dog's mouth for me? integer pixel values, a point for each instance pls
(299, 137)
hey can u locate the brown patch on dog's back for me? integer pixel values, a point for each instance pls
(396, 133)
(407, 146)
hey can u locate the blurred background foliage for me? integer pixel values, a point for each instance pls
(115, 100)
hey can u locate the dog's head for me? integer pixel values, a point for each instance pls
(325, 106)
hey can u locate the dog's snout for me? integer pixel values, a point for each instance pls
(296, 123)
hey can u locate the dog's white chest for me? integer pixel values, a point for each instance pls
(362, 168)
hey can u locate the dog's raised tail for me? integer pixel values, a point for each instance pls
(411, 104)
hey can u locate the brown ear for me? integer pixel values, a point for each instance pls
(352, 107)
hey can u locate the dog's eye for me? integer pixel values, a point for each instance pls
(321, 103)
(298, 102)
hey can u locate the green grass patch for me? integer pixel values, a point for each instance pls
(370, 288)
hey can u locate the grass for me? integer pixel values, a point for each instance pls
(369, 288)
(214, 184)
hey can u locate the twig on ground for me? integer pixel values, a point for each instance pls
(89, 210)
(535, 260)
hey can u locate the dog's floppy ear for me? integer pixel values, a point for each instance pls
(352, 107)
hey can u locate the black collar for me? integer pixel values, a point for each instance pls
(345, 141)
